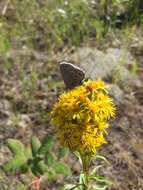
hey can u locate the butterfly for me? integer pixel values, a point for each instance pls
(72, 75)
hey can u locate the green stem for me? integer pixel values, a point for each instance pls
(85, 165)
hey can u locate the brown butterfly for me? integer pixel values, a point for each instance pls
(72, 75)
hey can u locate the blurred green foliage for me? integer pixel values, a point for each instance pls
(38, 158)
(51, 24)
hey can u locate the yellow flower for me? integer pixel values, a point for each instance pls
(81, 116)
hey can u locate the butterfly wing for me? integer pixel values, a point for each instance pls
(72, 75)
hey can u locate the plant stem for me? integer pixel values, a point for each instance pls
(85, 165)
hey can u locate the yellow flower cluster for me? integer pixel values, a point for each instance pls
(81, 116)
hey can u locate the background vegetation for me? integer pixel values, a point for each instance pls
(35, 36)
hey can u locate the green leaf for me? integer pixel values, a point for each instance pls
(35, 145)
(63, 152)
(37, 166)
(71, 187)
(103, 180)
(102, 158)
(50, 159)
(15, 146)
(24, 168)
(41, 167)
(78, 156)
(96, 187)
(28, 152)
(34, 171)
(51, 175)
(34, 168)
(15, 163)
(67, 187)
(95, 169)
(60, 167)
(46, 146)
(82, 178)
(21, 187)
(30, 162)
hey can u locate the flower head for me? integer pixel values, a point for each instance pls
(81, 116)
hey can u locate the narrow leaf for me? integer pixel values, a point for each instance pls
(102, 158)
(35, 145)
(96, 187)
(50, 160)
(95, 169)
(82, 178)
(103, 180)
(71, 187)
(46, 146)
(78, 156)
